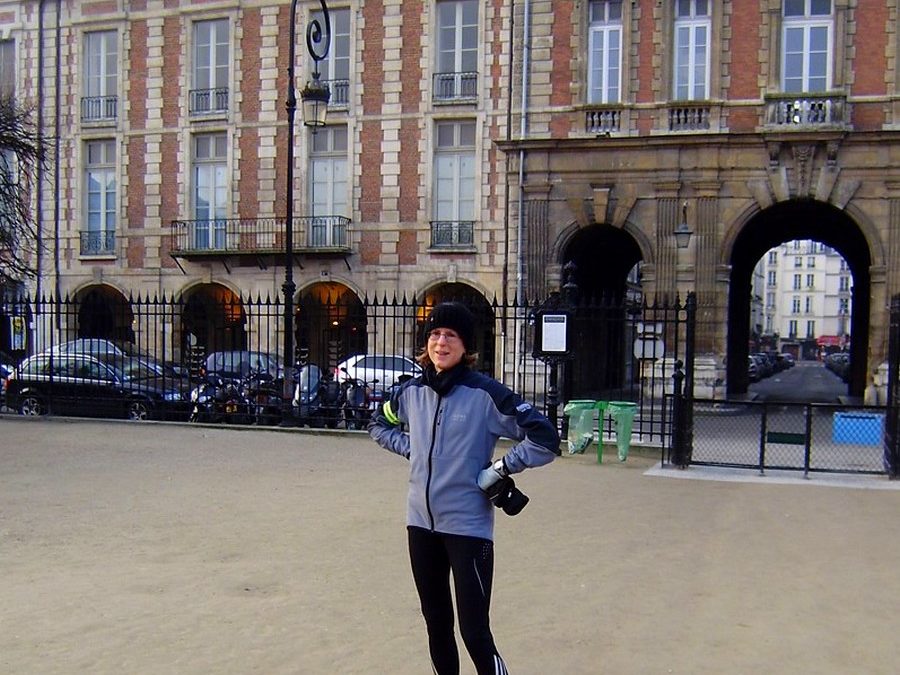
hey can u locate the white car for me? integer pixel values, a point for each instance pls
(386, 369)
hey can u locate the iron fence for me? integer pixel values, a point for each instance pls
(622, 349)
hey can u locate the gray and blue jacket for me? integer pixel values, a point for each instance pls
(455, 419)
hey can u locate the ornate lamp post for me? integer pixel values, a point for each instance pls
(315, 104)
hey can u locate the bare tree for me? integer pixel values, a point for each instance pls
(21, 153)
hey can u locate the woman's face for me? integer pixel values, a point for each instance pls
(445, 349)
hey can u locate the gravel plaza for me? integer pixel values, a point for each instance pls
(166, 548)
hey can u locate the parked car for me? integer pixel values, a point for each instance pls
(102, 346)
(237, 364)
(382, 370)
(90, 385)
(839, 364)
(752, 370)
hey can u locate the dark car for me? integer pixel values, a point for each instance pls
(95, 386)
(104, 347)
(238, 364)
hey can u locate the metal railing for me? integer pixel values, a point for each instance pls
(452, 233)
(208, 101)
(101, 242)
(99, 108)
(455, 87)
(258, 235)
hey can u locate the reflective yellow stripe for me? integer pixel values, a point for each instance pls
(389, 414)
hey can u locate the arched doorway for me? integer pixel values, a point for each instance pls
(103, 312)
(607, 275)
(485, 340)
(787, 221)
(330, 325)
(213, 320)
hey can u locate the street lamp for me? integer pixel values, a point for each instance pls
(683, 231)
(315, 104)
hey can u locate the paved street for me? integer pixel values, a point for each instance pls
(149, 548)
(808, 381)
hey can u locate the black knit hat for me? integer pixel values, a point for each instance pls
(456, 317)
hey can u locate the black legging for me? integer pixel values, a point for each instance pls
(433, 555)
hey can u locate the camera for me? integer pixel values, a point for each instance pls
(505, 495)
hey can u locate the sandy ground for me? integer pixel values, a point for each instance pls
(146, 548)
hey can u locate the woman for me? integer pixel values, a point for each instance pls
(455, 417)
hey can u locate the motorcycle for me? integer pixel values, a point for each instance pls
(263, 395)
(356, 403)
(217, 400)
(317, 398)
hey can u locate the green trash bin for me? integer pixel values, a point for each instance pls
(622, 413)
(581, 424)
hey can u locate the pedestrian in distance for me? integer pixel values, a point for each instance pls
(447, 422)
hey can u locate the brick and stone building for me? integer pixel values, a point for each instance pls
(472, 145)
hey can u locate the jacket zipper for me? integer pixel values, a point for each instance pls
(434, 426)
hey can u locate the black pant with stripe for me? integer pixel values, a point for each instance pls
(434, 556)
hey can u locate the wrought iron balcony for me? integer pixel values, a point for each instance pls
(208, 101)
(807, 111)
(455, 87)
(603, 120)
(452, 234)
(258, 236)
(99, 108)
(101, 242)
(340, 94)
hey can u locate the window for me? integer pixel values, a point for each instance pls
(807, 40)
(210, 190)
(844, 283)
(211, 54)
(810, 262)
(843, 306)
(334, 70)
(7, 68)
(810, 329)
(770, 301)
(100, 198)
(795, 305)
(796, 282)
(101, 67)
(692, 33)
(798, 261)
(773, 257)
(454, 184)
(456, 74)
(808, 305)
(328, 187)
(810, 280)
(605, 57)
(772, 279)
(792, 328)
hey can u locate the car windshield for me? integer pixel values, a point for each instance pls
(132, 369)
(244, 363)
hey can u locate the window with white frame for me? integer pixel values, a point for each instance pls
(210, 171)
(211, 55)
(605, 52)
(792, 328)
(810, 329)
(772, 278)
(456, 71)
(101, 76)
(328, 187)
(692, 49)
(99, 197)
(795, 304)
(796, 282)
(454, 184)
(7, 69)
(807, 46)
(9, 219)
(334, 69)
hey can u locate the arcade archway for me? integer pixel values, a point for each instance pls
(787, 221)
(103, 312)
(213, 319)
(330, 325)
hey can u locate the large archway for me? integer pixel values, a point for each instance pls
(330, 325)
(213, 319)
(787, 221)
(103, 312)
(606, 273)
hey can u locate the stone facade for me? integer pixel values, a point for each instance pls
(550, 165)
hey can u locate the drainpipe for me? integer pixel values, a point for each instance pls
(39, 209)
(56, 142)
(506, 237)
(523, 130)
